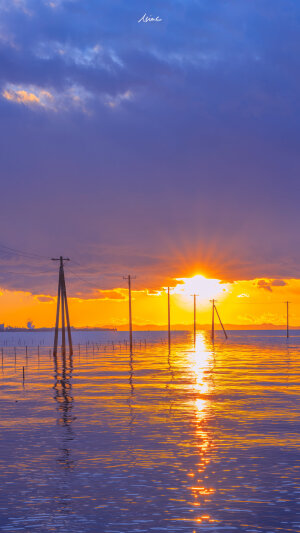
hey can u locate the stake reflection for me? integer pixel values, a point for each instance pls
(64, 399)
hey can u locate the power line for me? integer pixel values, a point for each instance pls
(81, 279)
(18, 252)
(35, 273)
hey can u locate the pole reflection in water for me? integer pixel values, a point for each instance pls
(63, 397)
(131, 394)
(132, 416)
(169, 385)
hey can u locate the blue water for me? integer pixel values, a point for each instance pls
(202, 439)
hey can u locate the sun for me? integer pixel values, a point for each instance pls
(205, 288)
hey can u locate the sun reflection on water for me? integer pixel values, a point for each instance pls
(202, 364)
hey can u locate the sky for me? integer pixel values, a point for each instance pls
(163, 149)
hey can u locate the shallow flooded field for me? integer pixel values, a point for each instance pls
(202, 439)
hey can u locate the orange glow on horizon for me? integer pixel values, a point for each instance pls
(247, 303)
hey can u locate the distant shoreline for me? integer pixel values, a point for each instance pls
(176, 328)
(39, 330)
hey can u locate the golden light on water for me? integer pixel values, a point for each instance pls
(205, 288)
(201, 361)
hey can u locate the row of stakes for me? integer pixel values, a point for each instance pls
(87, 345)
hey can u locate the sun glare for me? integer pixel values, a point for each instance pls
(205, 288)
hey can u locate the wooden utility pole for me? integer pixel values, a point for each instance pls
(213, 321)
(194, 295)
(62, 303)
(129, 278)
(169, 320)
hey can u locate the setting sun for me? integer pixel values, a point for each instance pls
(205, 288)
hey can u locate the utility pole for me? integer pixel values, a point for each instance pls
(62, 302)
(213, 321)
(169, 320)
(287, 320)
(129, 278)
(195, 296)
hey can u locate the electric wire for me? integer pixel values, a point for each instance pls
(21, 253)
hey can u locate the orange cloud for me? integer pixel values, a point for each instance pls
(21, 96)
(27, 97)
(112, 295)
(37, 97)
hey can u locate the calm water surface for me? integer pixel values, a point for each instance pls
(202, 439)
